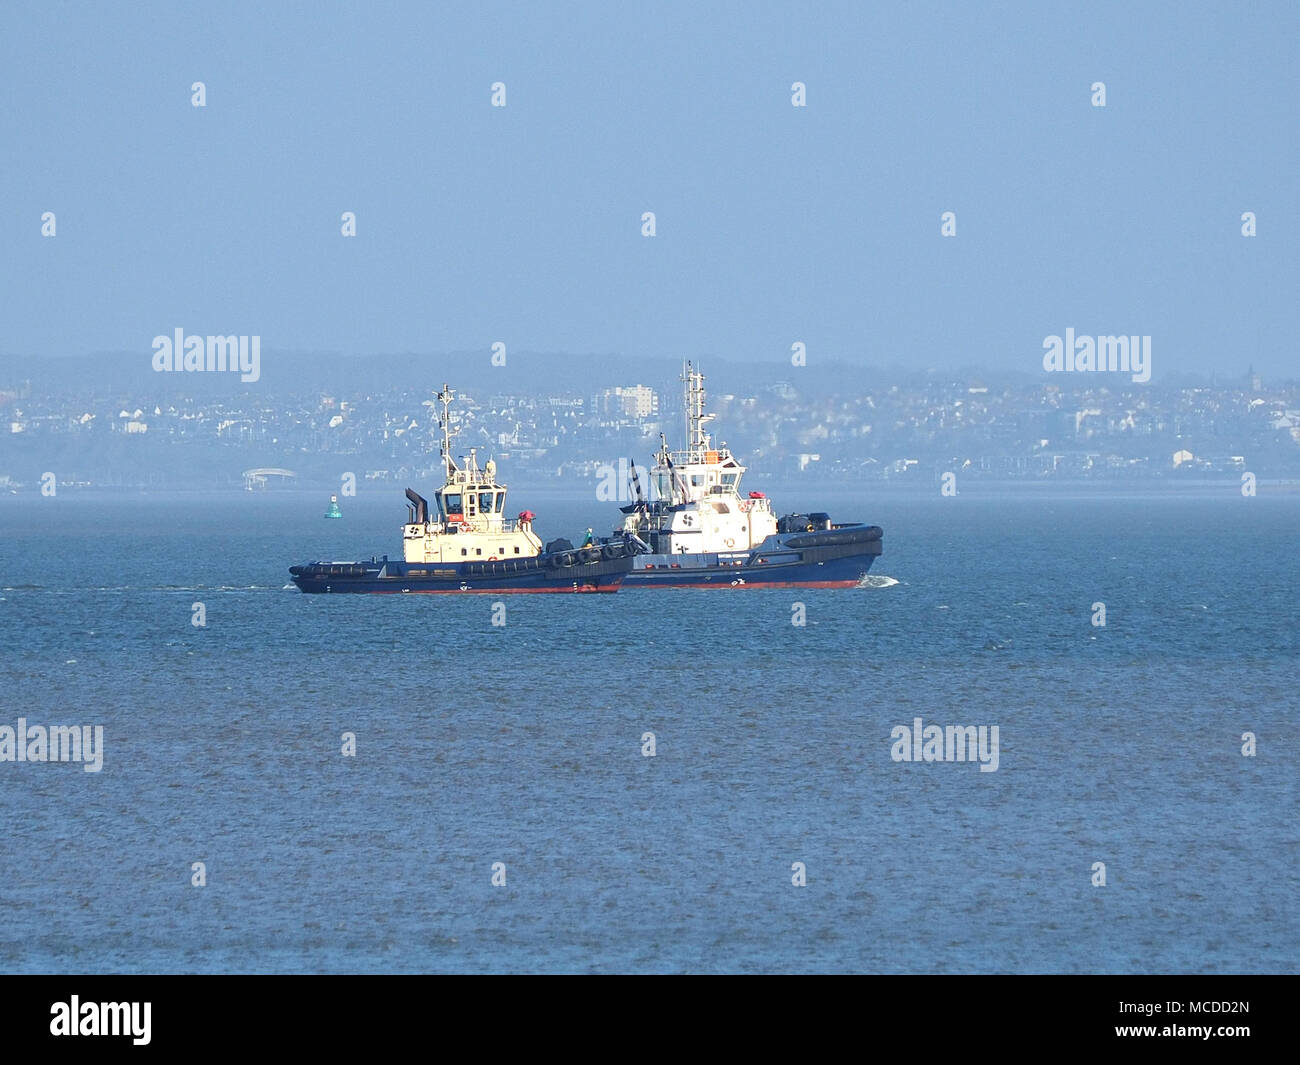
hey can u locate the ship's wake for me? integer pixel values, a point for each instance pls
(876, 580)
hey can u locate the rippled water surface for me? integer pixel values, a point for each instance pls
(522, 745)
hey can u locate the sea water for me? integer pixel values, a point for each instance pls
(502, 811)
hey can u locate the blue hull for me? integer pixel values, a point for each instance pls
(836, 558)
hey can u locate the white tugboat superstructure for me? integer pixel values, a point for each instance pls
(701, 531)
(469, 522)
(704, 512)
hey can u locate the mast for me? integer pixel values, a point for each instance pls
(697, 440)
(445, 397)
(685, 395)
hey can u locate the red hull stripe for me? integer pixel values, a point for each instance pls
(640, 584)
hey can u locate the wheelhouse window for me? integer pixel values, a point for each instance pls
(485, 502)
(451, 504)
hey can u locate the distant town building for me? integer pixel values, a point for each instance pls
(638, 401)
(992, 429)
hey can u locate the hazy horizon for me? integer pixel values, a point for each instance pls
(775, 224)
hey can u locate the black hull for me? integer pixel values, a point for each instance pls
(540, 575)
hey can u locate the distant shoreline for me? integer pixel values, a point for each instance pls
(1147, 487)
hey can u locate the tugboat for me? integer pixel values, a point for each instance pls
(700, 532)
(465, 545)
(332, 511)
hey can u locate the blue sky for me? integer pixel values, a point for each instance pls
(775, 224)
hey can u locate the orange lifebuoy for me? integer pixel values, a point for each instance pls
(463, 526)
(493, 559)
